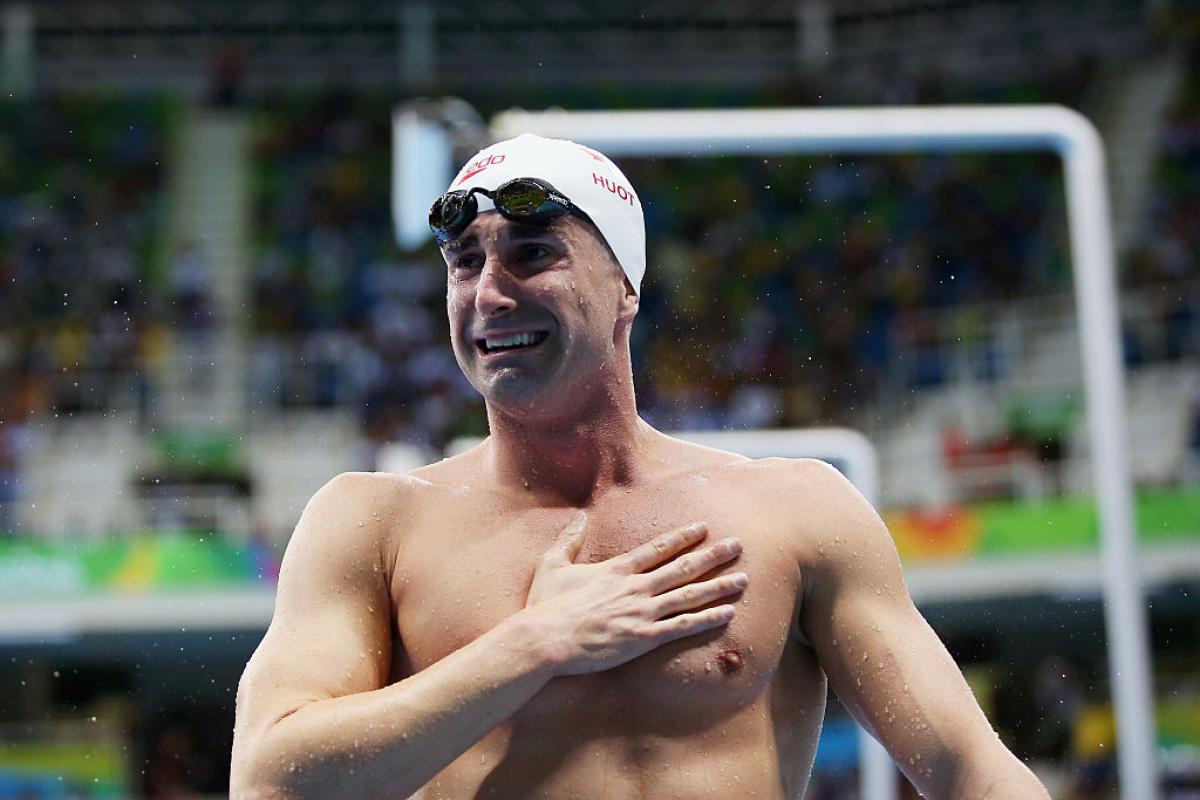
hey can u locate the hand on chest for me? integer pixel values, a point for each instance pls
(461, 583)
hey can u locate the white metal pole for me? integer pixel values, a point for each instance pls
(962, 128)
(1103, 367)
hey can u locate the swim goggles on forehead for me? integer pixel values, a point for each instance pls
(528, 200)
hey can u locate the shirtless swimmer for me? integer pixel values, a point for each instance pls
(581, 606)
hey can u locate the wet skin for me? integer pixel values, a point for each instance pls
(734, 712)
(439, 632)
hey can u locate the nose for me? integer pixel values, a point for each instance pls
(494, 291)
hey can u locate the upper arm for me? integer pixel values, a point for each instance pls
(886, 664)
(330, 634)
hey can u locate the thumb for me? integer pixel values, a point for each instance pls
(570, 541)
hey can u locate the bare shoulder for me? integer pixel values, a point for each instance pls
(373, 492)
(358, 511)
(794, 479)
(693, 456)
(813, 502)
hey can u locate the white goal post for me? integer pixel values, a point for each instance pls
(961, 128)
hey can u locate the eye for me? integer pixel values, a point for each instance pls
(466, 262)
(534, 252)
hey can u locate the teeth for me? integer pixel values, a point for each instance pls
(518, 340)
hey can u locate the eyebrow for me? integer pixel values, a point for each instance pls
(517, 231)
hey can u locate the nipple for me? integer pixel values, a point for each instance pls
(730, 661)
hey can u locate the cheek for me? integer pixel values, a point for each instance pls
(458, 304)
(457, 336)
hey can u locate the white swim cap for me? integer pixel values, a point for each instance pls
(586, 177)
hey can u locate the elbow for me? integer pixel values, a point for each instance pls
(262, 779)
(1005, 778)
(261, 768)
(258, 772)
(250, 791)
(277, 765)
(248, 779)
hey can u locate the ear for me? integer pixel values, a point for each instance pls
(627, 307)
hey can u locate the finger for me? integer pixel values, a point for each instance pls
(668, 630)
(694, 595)
(568, 544)
(662, 547)
(692, 565)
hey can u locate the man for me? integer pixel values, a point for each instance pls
(582, 606)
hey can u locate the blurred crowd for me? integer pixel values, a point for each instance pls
(788, 290)
(82, 204)
(780, 290)
(340, 316)
(81, 220)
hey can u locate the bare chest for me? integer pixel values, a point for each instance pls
(469, 564)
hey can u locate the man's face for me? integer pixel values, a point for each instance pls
(534, 311)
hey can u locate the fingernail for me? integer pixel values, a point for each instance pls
(734, 544)
(740, 579)
(697, 526)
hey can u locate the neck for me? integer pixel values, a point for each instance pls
(576, 459)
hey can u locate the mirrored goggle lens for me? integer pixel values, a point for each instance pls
(447, 212)
(526, 200)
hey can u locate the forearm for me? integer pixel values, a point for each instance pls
(395, 739)
(992, 773)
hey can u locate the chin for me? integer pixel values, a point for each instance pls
(516, 394)
(529, 399)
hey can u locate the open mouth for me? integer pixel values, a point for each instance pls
(518, 341)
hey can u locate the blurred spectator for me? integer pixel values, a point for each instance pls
(227, 67)
(190, 289)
